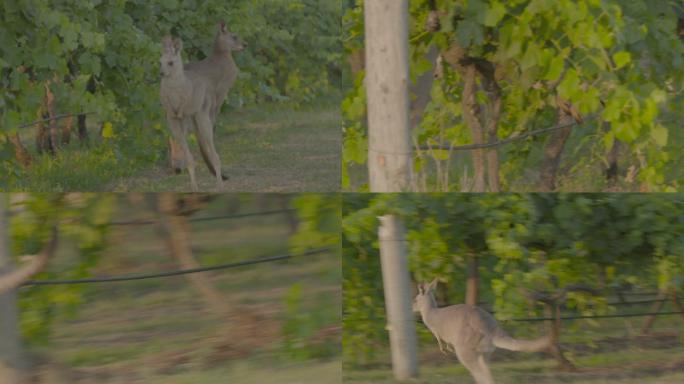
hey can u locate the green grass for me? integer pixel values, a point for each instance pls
(637, 362)
(159, 331)
(264, 148)
(626, 367)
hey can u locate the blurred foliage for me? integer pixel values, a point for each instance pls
(82, 221)
(300, 326)
(533, 242)
(319, 221)
(319, 226)
(621, 60)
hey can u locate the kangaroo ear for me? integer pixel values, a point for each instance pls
(432, 284)
(167, 43)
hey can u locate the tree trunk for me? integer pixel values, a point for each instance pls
(554, 330)
(493, 116)
(43, 136)
(175, 230)
(52, 124)
(655, 308)
(17, 277)
(387, 78)
(66, 129)
(20, 153)
(612, 158)
(395, 277)
(82, 129)
(552, 153)
(473, 280)
(471, 110)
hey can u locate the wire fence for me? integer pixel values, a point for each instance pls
(584, 317)
(56, 117)
(470, 147)
(207, 218)
(177, 272)
(579, 317)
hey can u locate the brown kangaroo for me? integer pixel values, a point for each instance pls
(219, 67)
(472, 333)
(187, 100)
(220, 71)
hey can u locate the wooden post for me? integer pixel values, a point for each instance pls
(387, 79)
(473, 280)
(11, 361)
(395, 277)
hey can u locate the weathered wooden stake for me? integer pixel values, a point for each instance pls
(395, 277)
(387, 80)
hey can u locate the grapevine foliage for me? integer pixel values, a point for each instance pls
(524, 243)
(293, 56)
(618, 60)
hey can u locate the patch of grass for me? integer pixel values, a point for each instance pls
(266, 148)
(159, 330)
(98, 356)
(247, 373)
(629, 366)
(76, 170)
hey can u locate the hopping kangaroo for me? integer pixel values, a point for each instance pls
(185, 96)
(472, 333)
(220, 72)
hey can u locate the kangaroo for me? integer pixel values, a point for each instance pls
(187, 101)
(472, 333)
(220, 71)
(219, 67)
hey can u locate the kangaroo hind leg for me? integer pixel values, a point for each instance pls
(179, 136)
(205, 136)
(472, 360)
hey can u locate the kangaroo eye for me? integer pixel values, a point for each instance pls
(170, 63)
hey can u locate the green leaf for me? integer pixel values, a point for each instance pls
(659, 134)
(570, 85)
(555, 68)
(494, 14)
(621, 59)
(469, 33)
(531, 57)
(588, 102)
(626, 131)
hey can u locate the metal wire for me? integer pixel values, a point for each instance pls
(198, 219)
(470, 147)
(174, 272)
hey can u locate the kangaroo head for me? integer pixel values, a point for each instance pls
(171, 61)
(425, 300)
(226, 41)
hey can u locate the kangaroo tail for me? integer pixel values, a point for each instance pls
(205, 157)
(502, 340)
